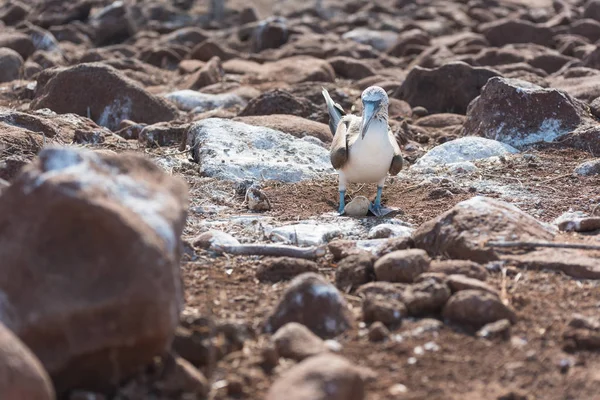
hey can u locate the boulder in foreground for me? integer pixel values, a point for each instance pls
(95, 238)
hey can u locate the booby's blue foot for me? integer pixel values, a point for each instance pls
(342, 202)
(375, 207)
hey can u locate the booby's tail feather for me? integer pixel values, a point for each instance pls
(336, 112)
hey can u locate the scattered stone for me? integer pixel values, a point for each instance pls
(313, 302)
(461, 267)
(11, 65)
(380, 40)
(209, 74)
(588, 168)
(578, 224)
(354, 271)
(19, 42)
(390, 231)
(298, 69)
(458, 232)
(377, 247)
(495, 330)
(435, 276)
(388, 311)
(191, 100)
(235, 151)
(211, 240)
(310, 233)
(407, 41)
(346, 67)
(296, 341)
(402, 265)
(283, 268)
(425, 298)
(119, 202)
(162, 134)
(101, 92)
(322, 377)
(378, 332)
(579, 321)
(583, 339)
(449, 88)
(506, 31)
(22, 376)
(520, 113)
(457, 283)
(180, 377)
(271, 33)
(112, 24)
(476, 308)
(575, 263)
(463, 149)
(358, 207)
(277, 101)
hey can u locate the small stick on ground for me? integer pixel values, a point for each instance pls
(274, 250)
(544, 244)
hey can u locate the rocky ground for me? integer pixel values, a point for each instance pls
(145, 144)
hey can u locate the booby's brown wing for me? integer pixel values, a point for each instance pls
(339, 146)
(397, 161)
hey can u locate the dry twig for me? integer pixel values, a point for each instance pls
(274, 250)
(544, 244)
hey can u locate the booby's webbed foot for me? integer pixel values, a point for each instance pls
(375, 207)
(342, 202)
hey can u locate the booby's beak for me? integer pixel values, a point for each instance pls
(370, 110)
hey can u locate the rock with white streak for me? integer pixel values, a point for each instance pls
(188, 100)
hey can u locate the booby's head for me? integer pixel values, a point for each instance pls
(375, 103)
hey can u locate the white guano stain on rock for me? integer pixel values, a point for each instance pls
(117, 111)
(90, 172)
(548, 131)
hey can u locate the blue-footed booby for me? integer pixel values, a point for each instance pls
(364, 149)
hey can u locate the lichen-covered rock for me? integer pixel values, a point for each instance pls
(520, 113)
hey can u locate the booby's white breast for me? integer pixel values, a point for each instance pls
(369, 159)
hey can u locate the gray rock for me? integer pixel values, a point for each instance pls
(11, 64)
(463, 149)
(380, 40)
(311, 301)
(588, 168)
(310, 234)
(236, 151)
(402, 265)
(494, 330)
(297, 342)
(188, 100)
(211, 240)
(382, 231)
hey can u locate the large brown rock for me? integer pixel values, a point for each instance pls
(298, 69)
(402, 265)
(519, 113)
(322, 377)
(103, 289)
(462, 231)
(311, 301)
(292, 124)
(449, 88)
(21, 373)
(476, 308)
(575, 263)
(277, 102)
(102, 92)
(506, 31)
